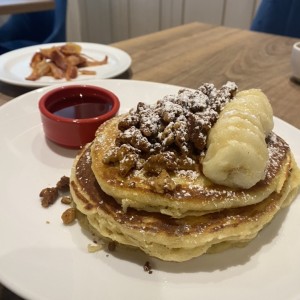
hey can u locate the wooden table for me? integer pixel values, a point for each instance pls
(9, 7)
(191, 54)
(195, 53)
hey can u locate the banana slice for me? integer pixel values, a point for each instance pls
(237, 153)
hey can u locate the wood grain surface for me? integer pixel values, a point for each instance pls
(191, 54)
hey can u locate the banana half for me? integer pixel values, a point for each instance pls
(237, 154)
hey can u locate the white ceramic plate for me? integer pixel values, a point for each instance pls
(14, 65)
(51, 262)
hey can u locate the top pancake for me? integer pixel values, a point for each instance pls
(193, 194)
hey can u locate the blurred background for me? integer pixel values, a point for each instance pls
(108, 21)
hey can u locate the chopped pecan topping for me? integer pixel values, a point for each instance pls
(126, 155)
(49, 196)
(162, 183)
(176, 133)
(66, 200)
(162, 161)
(69, 216)
(129, 121)
(63, 184)
(128, 163)
(170, 134)
(135, 138)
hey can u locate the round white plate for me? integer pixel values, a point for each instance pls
(14, 65)
(40, 260)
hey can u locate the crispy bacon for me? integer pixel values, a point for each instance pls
(63, 61)
(56, 72)
(40, 69)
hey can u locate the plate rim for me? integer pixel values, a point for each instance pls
(17, 100)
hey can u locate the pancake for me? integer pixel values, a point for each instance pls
(194, 173)
(194, 194)
(175, 239)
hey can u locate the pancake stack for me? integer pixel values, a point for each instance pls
(195, 173)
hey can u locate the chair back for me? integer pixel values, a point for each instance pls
(278, 17)
(28, 29)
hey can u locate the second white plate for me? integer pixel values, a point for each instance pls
(14, 65)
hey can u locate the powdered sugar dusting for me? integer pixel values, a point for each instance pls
(277, 149)
(176, 127)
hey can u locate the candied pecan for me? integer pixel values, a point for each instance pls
(167, 137)
(125, 150)
(208, 89)
(66, 200)
(199, 102)
(63, 184)
(49, 196)
(126, 155)
(128, 121)
(170, 111)
(162, 183)
(116, 154)
(182, 136)
(141, 106)
(156, 148)
(69, 216)
(197, 131)
(134, 137)
(186, 163)
(176, 133)
(128, 163)
(150, 123)
(111, 156)
(229, 89)
(158, 162)
(222, 96)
